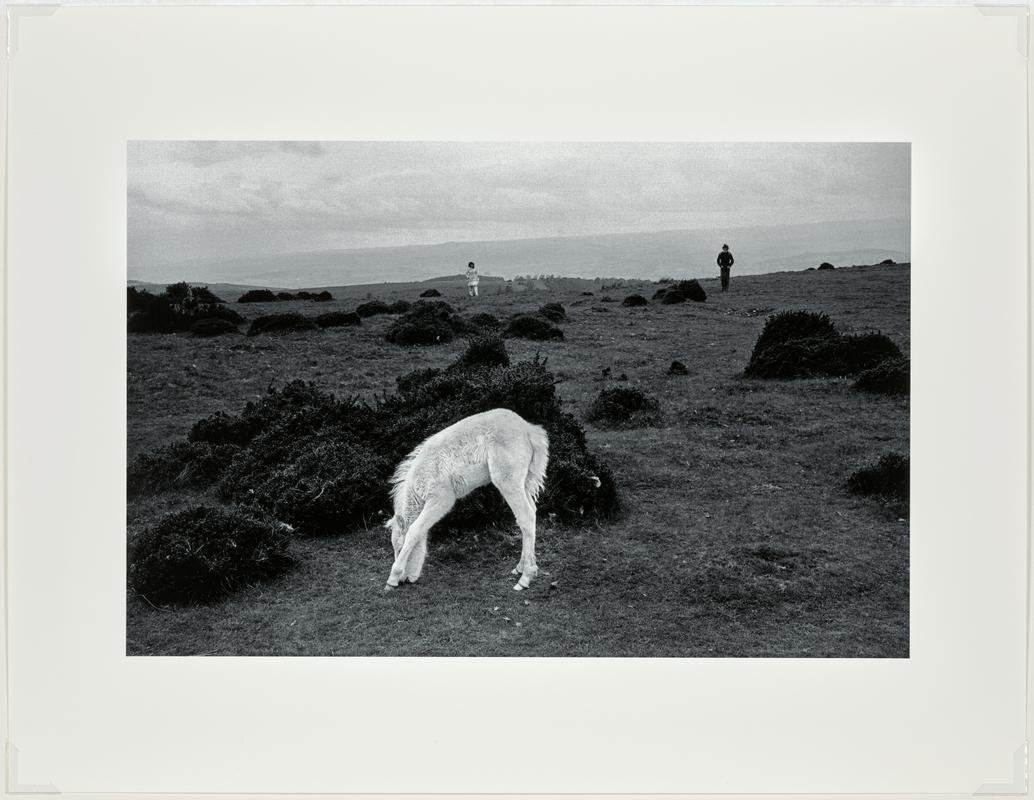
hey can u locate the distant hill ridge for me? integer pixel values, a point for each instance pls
(679, 253)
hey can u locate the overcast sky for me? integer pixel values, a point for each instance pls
(197, 200)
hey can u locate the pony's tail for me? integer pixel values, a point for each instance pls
(539, 461)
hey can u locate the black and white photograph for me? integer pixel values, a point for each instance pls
(625, 399)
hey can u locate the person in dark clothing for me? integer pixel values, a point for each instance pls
(725, 262)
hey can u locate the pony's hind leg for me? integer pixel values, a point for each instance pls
(524, 511)
(436, 507)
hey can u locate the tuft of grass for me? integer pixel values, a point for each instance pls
(887, 480)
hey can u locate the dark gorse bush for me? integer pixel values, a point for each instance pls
(624, 406)
(257, 296)
(554, 312)
(681, 292)
(803, 344)
(204, 554)
(176, 309)
(529, 326)
(430, 293)
(889, 377)
(213, 327)
(322, 464)
(634, 300)
(427, 322)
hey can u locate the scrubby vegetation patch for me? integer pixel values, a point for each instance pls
(624, 406)
(204, 554)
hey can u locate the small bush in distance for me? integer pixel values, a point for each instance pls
(323, 297)
(338, 319)
(887, 261)
(889, 377)
(281, 323)
(624, 406)
(257, 296)
(634, 300)
(483, 351)
(428, 322)
(430, 293)
(204, 554)
(681, 292)
(527, 326)
(554, 312)
(284, 296)
(373, 308)
(826, 265)
(485, 321)
(678, 368)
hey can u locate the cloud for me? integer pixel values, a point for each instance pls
(250, 197)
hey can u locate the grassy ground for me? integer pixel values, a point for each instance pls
(738, 537)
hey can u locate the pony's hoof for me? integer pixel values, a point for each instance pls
(518, 588)
(389, 588)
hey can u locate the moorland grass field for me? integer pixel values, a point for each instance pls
(737, 535)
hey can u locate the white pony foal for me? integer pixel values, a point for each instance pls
(497, 447)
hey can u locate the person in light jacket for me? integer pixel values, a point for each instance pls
(472, 280)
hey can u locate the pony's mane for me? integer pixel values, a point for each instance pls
(400, 479)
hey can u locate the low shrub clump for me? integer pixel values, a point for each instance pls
(182, 465)
(175, 310)
(889, 377)
(554, 312)
(680, 292)
(678, 368)
(826, 265)
(373, 308)
(284, 296)
(338, 319)
(281, 323)
(484, 351)
(485, 321)
(323, 297)
(634, 300)
(528, 326)
(204, 554)
(802, 344)
(887, 480)
(257, 296)
(430, 293)
(427, 322)
(624, 406)
(323, 464)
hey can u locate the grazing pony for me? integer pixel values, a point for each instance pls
(496, 446)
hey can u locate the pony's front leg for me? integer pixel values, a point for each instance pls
(416, 539)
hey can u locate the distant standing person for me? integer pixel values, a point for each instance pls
(725, 262)
(472, 280)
